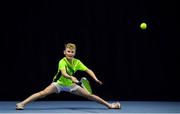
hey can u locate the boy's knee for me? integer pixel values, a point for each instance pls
(43, 94)
(90, 96)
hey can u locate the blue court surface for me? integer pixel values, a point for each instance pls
(146, 107)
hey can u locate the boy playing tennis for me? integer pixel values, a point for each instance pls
(67, 82)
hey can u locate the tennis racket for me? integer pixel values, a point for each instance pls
(85, 84)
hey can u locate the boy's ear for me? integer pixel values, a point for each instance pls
(64, 52)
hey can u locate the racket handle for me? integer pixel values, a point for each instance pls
(79, 83)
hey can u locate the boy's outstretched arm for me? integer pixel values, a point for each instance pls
(91, 73)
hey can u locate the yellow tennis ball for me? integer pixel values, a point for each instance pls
(143, 26)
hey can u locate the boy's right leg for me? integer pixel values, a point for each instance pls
(48, 90)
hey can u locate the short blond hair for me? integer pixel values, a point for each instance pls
(70, 46)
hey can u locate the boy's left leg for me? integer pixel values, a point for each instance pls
(48, 90)
(82, 92)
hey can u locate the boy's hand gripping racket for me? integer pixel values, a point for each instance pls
(85, 84)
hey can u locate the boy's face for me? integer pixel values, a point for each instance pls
(69, 53)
